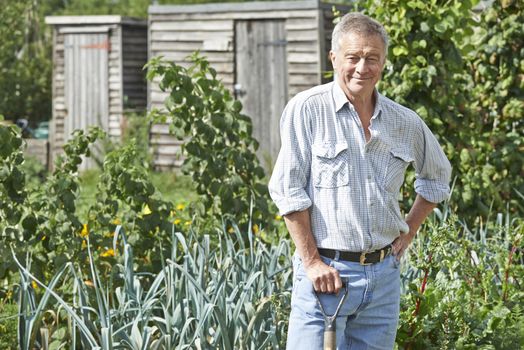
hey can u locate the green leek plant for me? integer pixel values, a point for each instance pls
(225, 295)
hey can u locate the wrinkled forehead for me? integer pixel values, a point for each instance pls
(362, 42)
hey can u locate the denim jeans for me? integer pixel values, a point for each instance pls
(367, 320)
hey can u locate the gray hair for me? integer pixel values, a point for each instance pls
(357, 23)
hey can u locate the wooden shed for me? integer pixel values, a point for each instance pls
(97, 74)
(265, 52)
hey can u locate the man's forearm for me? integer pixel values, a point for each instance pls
(418, 213)
(299, 226)
(325, 279)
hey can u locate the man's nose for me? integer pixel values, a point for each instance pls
(362, 65)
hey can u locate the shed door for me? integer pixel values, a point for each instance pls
(261, 80)
(86, 83)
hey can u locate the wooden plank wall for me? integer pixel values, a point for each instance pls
(327, 30)
(115, 82)
(56, 127)
(176, 35)
(134, 57)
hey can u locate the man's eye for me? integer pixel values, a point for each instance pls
(353, 58)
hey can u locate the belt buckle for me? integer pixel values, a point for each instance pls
(363, 259)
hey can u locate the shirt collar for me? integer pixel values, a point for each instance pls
(340, 99)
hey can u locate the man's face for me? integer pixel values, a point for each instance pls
(358, 63)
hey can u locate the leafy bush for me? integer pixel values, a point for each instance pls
(46, 220)
(219, 148)
(463, 288)
(43, 217)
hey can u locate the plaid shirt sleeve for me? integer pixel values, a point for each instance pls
(290, 177)
(432, 168)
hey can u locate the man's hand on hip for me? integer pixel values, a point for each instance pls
(325, 279)
(418, 213)
(401, 243)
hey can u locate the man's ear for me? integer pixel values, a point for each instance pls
(332, 56)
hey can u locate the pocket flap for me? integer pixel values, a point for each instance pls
(402, 154)
(328, 150)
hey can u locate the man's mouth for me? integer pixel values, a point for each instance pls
(361, 79)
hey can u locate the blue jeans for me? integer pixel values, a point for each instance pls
(367, 320)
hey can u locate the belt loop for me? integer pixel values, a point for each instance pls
(337, 255)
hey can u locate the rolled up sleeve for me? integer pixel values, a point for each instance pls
(290, 177)
(432, 168)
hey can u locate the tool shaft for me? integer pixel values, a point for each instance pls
(330, 340)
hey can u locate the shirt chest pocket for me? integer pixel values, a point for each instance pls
(399, 159)
(329, 165)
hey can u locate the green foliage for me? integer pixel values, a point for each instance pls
(133, 8)
(463, 291)
(219, 146)
(25, 64)
(45, 217)
(8, 325)
(463, 288)
(491, 158)
(206, 295)
(136, 131)
(126, 194)
(174, 188)
(42, 217)
(462, 73)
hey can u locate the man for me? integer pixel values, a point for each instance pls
(345, 149)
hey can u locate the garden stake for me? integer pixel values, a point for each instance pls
(330, 321)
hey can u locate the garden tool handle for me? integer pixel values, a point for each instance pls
(330, 322)
(330, 335)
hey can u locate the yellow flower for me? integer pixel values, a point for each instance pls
(109, 234)
(278, 217)
(231, 229)
(108, 253)
(255, 229)
(180, 207)
(187, 223)
(146, 210)
(34, 284)
(177, 221)
(85, 231)
(117, 221)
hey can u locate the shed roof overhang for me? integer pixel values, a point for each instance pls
(93, 20)
(240, 7)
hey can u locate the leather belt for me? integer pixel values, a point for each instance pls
(364, 258)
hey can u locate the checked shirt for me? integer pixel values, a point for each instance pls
(351, 186)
